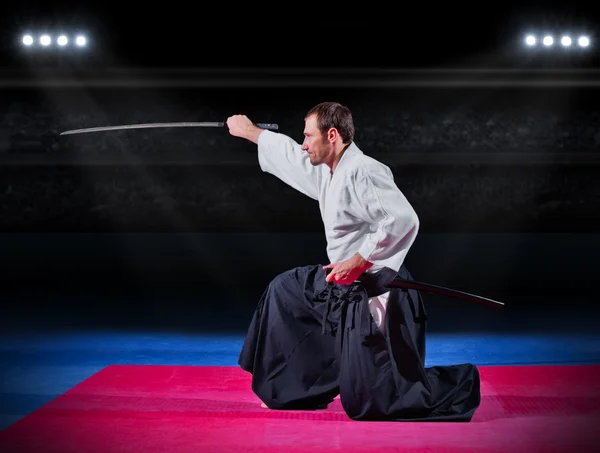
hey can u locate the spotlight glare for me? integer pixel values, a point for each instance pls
(584, 41)
(530, 40)
(62, 40)
(45, 40)
(27, 40)
(548, 40)
(80, 41)
(565, 41)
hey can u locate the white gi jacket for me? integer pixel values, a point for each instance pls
(362, 208)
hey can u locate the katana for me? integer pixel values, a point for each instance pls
(270, 126)
(442, 291)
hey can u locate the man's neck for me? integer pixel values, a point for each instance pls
(338, 157)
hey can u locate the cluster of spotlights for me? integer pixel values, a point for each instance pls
(549, 41)
(46, 40)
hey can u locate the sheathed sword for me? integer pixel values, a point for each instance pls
(442, 291)
(270, 126)
(402, 283)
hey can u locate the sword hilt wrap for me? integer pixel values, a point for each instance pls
(271, 126)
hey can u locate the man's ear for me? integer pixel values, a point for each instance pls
(332, 134)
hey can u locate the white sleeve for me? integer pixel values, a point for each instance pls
(283, 157)
(394, 224)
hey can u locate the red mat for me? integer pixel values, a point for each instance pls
(211, 409)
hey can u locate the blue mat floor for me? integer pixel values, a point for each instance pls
(39, 366)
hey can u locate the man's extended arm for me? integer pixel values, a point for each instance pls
(279, 155)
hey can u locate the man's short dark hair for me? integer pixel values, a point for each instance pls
(333, 114)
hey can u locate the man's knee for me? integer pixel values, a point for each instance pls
(284, 281)
(292, 290)
(297, 278)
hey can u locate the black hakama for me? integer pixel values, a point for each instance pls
(310, 340)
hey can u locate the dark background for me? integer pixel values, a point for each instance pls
(180, 228)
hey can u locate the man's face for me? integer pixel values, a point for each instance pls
(317, 146)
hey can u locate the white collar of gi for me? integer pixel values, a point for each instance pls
(352, 149)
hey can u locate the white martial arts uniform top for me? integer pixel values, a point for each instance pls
(362, 208)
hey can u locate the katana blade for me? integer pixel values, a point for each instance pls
(441, 291)
(271, 126)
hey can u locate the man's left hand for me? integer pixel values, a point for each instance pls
(346, 272)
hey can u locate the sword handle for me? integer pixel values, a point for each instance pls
(271, 126)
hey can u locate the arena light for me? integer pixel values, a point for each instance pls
(45, 40)
(548, 40)
(584, 41)
(565, 41)
(530, 40)
(60, 38)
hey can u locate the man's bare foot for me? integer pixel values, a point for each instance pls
(264, 406)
